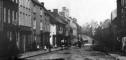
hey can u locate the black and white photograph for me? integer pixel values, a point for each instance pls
(62, 29)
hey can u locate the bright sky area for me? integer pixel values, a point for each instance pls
(84, 10)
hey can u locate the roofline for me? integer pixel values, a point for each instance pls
(38, 3)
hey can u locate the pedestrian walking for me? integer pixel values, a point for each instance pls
(48, 45)
(62, 43)
(79, 44)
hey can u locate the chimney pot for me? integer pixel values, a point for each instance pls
(42, 3)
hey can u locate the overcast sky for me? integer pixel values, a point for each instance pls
(84, 10)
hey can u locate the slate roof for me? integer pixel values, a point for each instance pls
(56, 18)
(63, 19)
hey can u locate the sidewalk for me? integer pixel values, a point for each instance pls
(30, 54)
(118, 57)
(122, 57)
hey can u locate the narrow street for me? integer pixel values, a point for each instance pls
(74, 53)
(63, 29)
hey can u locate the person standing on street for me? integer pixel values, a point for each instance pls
(79, 44)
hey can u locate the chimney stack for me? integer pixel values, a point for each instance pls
(55, 10)
(49, 10)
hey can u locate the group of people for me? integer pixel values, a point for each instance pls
(78, 43)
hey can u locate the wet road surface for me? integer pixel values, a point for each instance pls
(74, 53)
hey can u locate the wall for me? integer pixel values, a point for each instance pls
(74, 28)
(46, 23)
(25, 13)
(52, 32)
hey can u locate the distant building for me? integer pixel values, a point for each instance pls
(119, 22)
(64, 12)
(46, 28)
(53, 28)
(60, 27)
(73, 26)
(53, 35)
(114, 14)
(121, 13)
(106, 23)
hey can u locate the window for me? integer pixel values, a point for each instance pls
(21, 6)
(45, 27)
(16, 17)
(41, 25)
(34, 24)
(122, 3)
(34, 18)
(125, 3)
(12, 0)
(40, 20)
(48, 27)
(16, 1)
(41, 12)
(41, 16)
(60, 29)
(4, 14)
(20, 12)
(10, 37)
(21, 2)
(34, 9)
(8, 15)
(13, 20)
(35, 38)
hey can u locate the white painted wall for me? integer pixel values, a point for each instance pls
(74, 27)
(52, 32)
